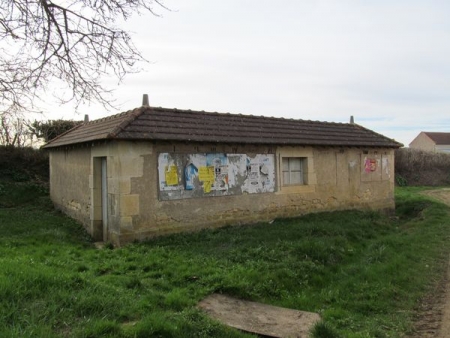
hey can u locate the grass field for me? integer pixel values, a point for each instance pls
(362, 271)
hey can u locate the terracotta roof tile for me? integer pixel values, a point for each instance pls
(150, 123)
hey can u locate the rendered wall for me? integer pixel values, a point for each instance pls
(69, 182)
(423, 142)
(138, 207)
(75, 185)
(337, 179)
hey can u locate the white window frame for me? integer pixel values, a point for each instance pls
(293, 170)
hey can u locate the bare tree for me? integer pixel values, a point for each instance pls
(14, 130)
(73, 41)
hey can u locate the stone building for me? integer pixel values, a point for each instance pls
(153, 171)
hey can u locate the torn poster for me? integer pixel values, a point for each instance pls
(219, 163)
(190, 173)
(171, 175)
(206, 176)
(370, 165)
(168, 173)
(260, 174)
(214, 174)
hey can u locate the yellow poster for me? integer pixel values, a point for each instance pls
(171, 174)
(207, 187)
(206, 174)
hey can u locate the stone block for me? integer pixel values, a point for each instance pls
(126, 223)
(132, 166)
(124, 186)
(129, 205)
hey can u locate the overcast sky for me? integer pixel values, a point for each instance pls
(387, 63)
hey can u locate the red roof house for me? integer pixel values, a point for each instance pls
(432, 141)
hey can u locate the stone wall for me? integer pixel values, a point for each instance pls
(69, 182)
(336, 179)
(125, 161)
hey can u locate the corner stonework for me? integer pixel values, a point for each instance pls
(124, 162)
(131, 165)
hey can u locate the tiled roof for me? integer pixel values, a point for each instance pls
(439, 138)
(150, 123)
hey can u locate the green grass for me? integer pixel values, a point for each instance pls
(362, 271)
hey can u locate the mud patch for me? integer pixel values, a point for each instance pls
(442, 195)
(433, 315)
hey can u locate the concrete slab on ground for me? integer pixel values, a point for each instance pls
(259, 318)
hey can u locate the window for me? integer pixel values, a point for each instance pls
(293, 170)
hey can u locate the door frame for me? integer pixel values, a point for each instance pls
(99, 199)
(104, 194)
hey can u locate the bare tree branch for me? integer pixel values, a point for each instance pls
(73, 41)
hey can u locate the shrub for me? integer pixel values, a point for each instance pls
(23, 164)
(421, 168)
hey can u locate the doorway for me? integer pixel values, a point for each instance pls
(100, 199)
(104, 189)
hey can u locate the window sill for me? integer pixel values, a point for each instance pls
(296, 189)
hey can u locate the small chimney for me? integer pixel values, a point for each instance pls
(86, 118)
(145, 100)
(352, 120)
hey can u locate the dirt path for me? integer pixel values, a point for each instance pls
(433, 319)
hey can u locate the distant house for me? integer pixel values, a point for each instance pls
(153, 171)
(434, 142)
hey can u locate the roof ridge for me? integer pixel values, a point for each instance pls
(133, 115)
(172, 124)
(175, 110)
(110, 117)
(381, 135)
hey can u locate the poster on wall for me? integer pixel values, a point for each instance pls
(190, 173)
(206, 177)
(370, 165)
(218, 164)
(214, 174)
(168, 173)
(171, 175)
(260, 174)
(237, 170)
